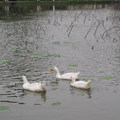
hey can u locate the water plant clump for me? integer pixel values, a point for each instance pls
(66, 42)
(35, 56)
(46, 55)
(56, 103)
(52, 55)
(56, 42)
(87, 79)
(106, 78)
(15, 48)
(4, 61)
(4, 108)
(73, 65)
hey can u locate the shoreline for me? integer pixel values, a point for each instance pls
(56, 2)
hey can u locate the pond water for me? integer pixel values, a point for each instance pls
(35, 38)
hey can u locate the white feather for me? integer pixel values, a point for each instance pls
(66, 76)
(36, 87)
(81, 84)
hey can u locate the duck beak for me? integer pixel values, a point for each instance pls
(51, 70)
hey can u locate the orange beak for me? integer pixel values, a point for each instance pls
(51, 70)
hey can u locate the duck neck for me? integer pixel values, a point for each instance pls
(25, 79)
(58, 73)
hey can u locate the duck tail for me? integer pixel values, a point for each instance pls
(43, 84)
(24, 79)
(88, 83)
(73, 79)
(78, 74)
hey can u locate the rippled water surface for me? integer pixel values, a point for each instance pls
(83, 38)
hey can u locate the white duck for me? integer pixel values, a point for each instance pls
(81, 84)
(66, 76)
(35, 87)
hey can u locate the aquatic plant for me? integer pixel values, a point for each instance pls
(106, 78)
(56, 42)
(42, 51)
(4, 108)
(73, 65)
(52, 55)
(39, 39)
(86, 79)
(15, 48)
(56, 103)
(35, 56)
(16, 55)
(66, 42)
(4, 61)
(61, 71)
(47, 55)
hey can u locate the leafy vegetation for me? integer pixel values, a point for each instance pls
(56, 42)
(86, 79)
(62, 72)
(73, 65)
(47, 55)
(4, 61)
(106, 78)
(56, 103)
(4, 108)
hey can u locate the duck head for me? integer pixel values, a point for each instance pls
(54, 69)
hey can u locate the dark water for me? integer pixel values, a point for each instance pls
(83, 38)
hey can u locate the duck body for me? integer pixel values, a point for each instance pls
(35, 87)
(81, 84)
(66, 76)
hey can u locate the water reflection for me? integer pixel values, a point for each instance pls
(80, 92)
(16, 10)
(35, 94)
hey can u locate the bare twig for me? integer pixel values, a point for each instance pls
(88, 32)
(70, 29)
